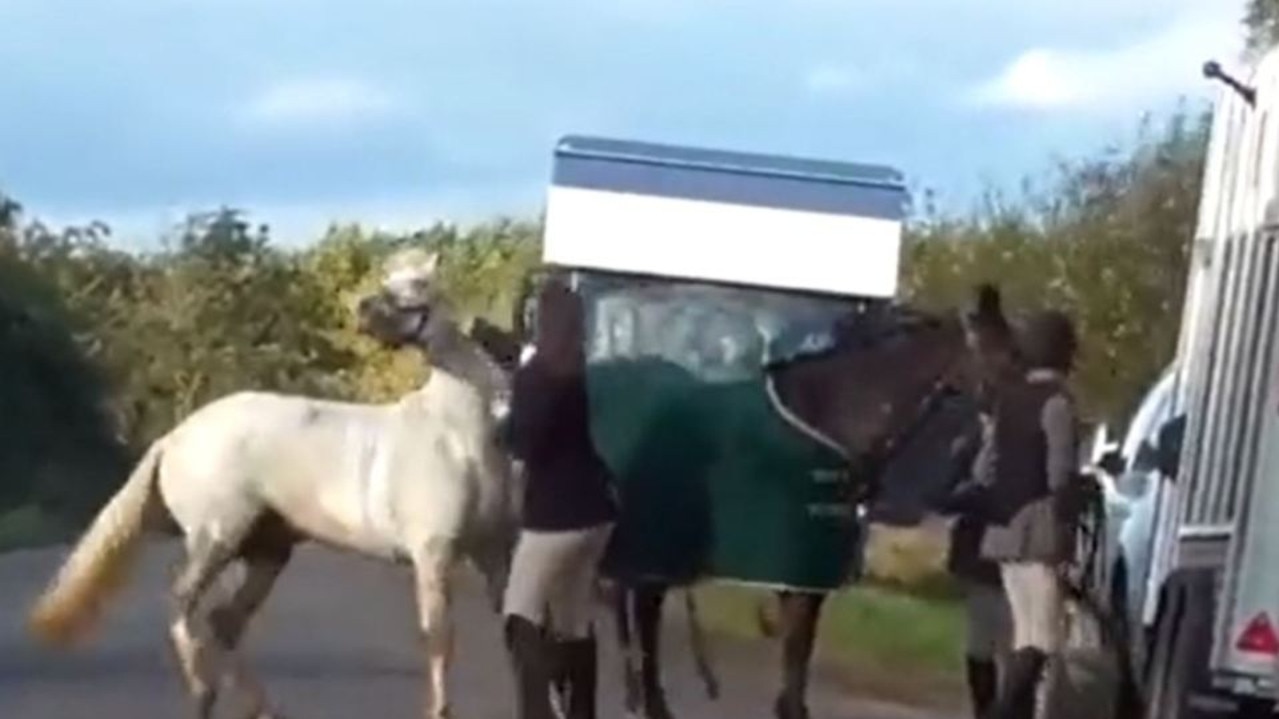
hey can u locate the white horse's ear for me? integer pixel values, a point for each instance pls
(410, 266)
(429, 264)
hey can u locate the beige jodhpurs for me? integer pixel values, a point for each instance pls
(552, 582)
(1037, 603)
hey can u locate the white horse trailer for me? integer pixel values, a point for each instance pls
(1211, 596)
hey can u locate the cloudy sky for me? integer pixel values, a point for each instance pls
(394, 112)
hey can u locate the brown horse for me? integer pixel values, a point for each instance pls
(871, 393)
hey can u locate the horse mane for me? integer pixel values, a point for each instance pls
(866, 328)
(503, 347)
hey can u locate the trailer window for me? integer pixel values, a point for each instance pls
(717, 332)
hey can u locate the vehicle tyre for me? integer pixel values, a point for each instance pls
(1256, 709)
(1129, 653)
(1177, 681)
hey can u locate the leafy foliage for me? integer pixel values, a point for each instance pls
(1262, 20)
(58, 427)
(102, 350)
(1108, 239)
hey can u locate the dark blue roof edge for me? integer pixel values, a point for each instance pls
(744, 163)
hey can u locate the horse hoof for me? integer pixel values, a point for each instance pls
(790, 710)
(658, 709)
(648, 714)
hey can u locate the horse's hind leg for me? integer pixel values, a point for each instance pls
(432, 565)
(206, 558)
(492, 558)
(265, 555)
(800, 612)
(623, 618)
(647, 610)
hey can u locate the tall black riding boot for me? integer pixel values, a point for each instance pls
(531, 655)
(1017, 701)
(581, 672)
(983, 684)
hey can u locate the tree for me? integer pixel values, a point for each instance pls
(103, 350)
(60, 448)
(1108, 238)
(1262, 20)
(221, 311)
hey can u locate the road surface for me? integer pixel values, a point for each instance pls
(336, 640)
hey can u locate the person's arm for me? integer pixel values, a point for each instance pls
(532, 412)
(963, 451)
(1058, 423)
(963, 455)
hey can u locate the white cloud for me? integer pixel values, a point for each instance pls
(317, 101)
(1156, 67)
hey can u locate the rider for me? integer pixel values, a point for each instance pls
(989, 624)
(1030, 468)
(568, 514)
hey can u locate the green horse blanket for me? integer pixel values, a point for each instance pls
(716, 479)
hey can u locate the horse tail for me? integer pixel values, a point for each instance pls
(98, 564)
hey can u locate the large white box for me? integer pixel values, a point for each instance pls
(738, 218)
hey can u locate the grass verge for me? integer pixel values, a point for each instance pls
(883, 644)
(896, 637)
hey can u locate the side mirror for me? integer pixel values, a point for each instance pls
(1168, 453)
(1147, 455)
(1112, 462)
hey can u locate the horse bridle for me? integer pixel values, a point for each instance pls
(422, 314)
(870, 462)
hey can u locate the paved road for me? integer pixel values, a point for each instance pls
(336, 640)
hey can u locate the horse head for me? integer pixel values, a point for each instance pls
(401, 311)
(883, 380)
(409, 309)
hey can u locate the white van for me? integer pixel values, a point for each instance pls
(1133, 486)
(1208, 591)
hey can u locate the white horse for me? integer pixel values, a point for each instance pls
(249, 476)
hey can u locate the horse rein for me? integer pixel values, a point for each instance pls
(889, 446)
(422, 313)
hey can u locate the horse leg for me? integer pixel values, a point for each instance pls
(800, 612)
(264, 560)
(648, 600)
(493, 560)
(624, 616)
(206, 558)
(433, 564)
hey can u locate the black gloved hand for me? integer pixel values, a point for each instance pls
(966, 498)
